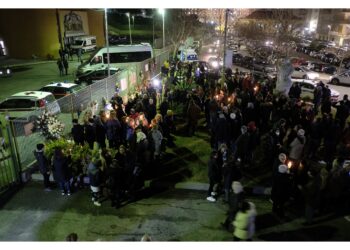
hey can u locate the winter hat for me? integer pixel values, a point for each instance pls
(40, 146)
(237, 187)
(251, 126)
(282, 169)
(233, 116)
(301, 132)
(244, 129)
(282, 157)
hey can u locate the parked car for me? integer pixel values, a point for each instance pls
(343, 78)
(308, 87)
(92, 76)
(247, 62)
(330, 58)
(18, 105)
(303, 72)
(236, 58)
(263, 66)
(5, 72)
(61, 89)
(329, 69)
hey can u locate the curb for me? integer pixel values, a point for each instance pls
(25, 64)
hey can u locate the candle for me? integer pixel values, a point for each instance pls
(289, 164)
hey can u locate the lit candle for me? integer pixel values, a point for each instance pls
(289, 164)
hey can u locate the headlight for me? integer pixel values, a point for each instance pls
(1, 72)
(8, 71)
(215, 64)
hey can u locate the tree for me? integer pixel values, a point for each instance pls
(180, 26)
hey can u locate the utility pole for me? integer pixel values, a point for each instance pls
(225, 39)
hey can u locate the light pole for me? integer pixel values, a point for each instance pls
(128, 15)
(107, 41)
(162, 12)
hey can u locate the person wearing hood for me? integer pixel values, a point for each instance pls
(43, 164)
(244, 223)
(297, 147)
(235, 202)
(281, 189)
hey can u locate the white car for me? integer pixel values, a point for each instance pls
(304, 73)
(18, 105)
(343, 78)
(308, 87)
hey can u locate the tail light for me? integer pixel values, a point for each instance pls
(41, 103)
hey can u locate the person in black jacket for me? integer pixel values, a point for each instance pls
(43, 164)
(61, 171)
(90, 133)
(100, 129)
(78, 132)
(280, 192)
(213, 175)
(115, 183)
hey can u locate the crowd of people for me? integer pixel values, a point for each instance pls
(303, 144)
(130, 139)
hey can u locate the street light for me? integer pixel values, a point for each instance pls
(162, 12)
(107, 41)
(128, 15)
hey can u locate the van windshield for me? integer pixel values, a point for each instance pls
(78, 42)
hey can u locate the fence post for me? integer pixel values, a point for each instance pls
(106, 88)
(14, 148)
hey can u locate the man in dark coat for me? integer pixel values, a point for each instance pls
(221, 130)
(90, 133)
(294, 91)
(115, 183)
(151, 110)
(280, 191)
(100, 130)
(113, 131)
(213, 175)
(61, 171)
(43, 164)
(65, 64)
(77, 132)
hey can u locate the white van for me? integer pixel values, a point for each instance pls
(85, 43)
(119, 57)
(187, 55)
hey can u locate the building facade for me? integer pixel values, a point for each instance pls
(28, 33)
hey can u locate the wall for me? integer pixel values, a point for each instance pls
(34, 31)
(97, 27)
(27, 32)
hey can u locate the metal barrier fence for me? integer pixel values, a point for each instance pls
(128, 81)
